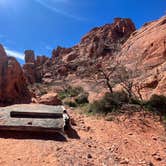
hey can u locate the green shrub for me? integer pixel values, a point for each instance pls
(70, 92)
(62, 95)
(157, 103)
(136, 101)
(82, 98)
(109, 103)
(120, 96)
(70, 103)
(74, 91)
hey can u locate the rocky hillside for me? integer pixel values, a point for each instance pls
(99, 42)
(143, 50)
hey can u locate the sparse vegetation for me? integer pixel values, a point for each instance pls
(70, 92)
(74, 96)
(70, 103)
(82, 98)
(109, 103)
(157, 103)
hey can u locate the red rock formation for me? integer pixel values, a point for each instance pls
(50, 99)
(143, 50)
(59, 51)
(146, 51)
(29, 66)
(107, 39)
(29, 56)
(13, 88)
(99, 42)
(41, 60)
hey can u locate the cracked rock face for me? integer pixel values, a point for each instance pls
(146, 51)
(13, 88)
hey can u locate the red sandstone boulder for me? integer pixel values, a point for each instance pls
(50, 99)
(13, 87)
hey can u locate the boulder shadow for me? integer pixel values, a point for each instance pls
(32, 135)
(71, 133)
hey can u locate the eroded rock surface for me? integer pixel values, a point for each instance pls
(13, 87)
(143, 50)
(146, 51)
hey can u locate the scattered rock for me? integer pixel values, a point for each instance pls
(125, 161)
(130, 133)
(89, 156)
(73, 122)
(157, 156)
(154, 138)
(50, 99)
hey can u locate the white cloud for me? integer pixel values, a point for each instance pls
(14, 53)
(59, 11)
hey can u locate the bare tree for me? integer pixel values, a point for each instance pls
(110, 75)
(105, 74)
(126, 78)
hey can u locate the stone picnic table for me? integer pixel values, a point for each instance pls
(32, 117)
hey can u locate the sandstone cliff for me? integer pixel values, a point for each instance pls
(102, 41)
(146, 51)
(13, 88)
(143, 50)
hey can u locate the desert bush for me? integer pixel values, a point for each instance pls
(70, 92)
(70, 103)
(82, 98)
(157, 103)
(75, 91)
(62, 95)
(136, 101)
(109, 103)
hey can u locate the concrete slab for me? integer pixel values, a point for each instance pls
(32, 117)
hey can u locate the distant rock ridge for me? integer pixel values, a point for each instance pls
(144, 49)
(99, 42)
(13, 87)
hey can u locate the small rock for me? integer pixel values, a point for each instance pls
(89, 146)
(88, 128)
(125, 161)
(126, 141)
(58, 148)
(150, 164)
(154, 138)
(89, 156)
(130, 133)
(73, 122)
(157, 156)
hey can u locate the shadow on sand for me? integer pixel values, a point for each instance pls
(70, 133)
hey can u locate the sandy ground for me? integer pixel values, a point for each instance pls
(92, 141)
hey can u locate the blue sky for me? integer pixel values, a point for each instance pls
(41, 25)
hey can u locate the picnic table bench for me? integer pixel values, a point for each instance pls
(32, 117)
